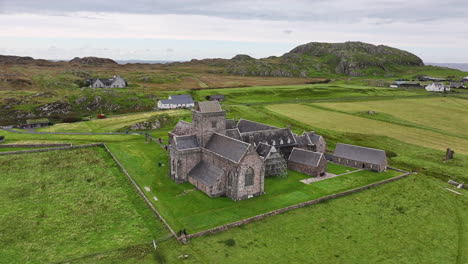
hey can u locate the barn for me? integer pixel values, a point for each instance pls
(360, 157)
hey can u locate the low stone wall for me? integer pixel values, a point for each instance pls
(49, 149)
(140, 192)
(35, 145)
(292, 207)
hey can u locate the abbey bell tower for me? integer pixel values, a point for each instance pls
(208, 118)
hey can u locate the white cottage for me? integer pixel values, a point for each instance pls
(437, 87)
(176, 101)
(114, 82)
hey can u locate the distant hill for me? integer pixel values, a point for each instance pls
(349, 58)
(458, 66)
(94, 61)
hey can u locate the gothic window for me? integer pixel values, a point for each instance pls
(249, 177)
(213, 124)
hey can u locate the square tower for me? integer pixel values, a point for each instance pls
(208, 118)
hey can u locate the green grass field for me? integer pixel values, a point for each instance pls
(303, 93)
(111, 124)
(63, 206)
(414, 220)
(344, 122)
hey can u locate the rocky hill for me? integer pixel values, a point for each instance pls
(93, 61)
(349, 58)
(18, 60)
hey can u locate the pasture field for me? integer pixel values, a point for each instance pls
(343, 122)
(304, 93)
(62, 206)
(110, 124)
(437, 114)
(414, 220)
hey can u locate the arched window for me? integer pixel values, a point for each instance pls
(249, 177)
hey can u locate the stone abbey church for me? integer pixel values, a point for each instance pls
(222, 157)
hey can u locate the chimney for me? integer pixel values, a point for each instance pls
(312, 133)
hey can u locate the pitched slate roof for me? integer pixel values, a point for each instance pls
(358, 153)
(305, 157)
(230, 123)
(206, 173)
(249, 126)
(210, 106)
(106, 82)
(178, 99)
(186, 142)
(302, 140)
(182, 128)
(264, 149)
(233, 133)
(180, 96)
(276, 137)
(227, 147)
(314, 138)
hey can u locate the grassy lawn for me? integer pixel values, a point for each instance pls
(110, 124)
(66, 205)
(342, 122)
(413, 220)
(338, 169)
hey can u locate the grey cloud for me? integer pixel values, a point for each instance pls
(297, 10)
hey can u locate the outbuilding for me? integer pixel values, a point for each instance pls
(360, 157)
(216, 97)
(36, 123)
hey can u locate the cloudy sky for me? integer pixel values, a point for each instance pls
(184, 29)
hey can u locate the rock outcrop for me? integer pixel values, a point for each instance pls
(349, 58)
(93, 61)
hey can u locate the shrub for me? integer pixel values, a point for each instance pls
(390, 154)
(2, 138)
(230, 242)
(71, 119)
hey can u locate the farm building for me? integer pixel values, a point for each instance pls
(307, 162)
(215, 97)
(224, 158)
(408, 85)
(437, 87)
(431, 79)
(360, 157)
(465, 79)
(456, 85)
(114, 82)
(35, 123)
(177, 101)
